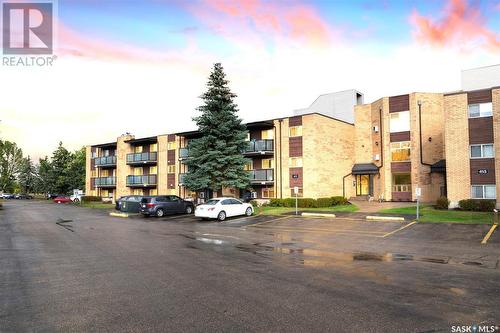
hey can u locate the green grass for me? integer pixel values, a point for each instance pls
(284, 210)
(430, 215)
(95, 204)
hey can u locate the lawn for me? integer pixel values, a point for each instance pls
(430, 215)
(95, 204)
(283, 210)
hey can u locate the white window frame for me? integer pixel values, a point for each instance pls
(484, 191)
(398, 115)
(299, 129)
(267, 189)
(485, 110)
(482, 150)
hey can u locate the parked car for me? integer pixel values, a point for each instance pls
(7, 196)
(23, 196)
(62, 199)
(53, 196)
(129, 203)
(221, 208)
(165, 204)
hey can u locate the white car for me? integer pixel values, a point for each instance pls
(221, 208)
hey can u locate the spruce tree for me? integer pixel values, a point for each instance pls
(215, 160)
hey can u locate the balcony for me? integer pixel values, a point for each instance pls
(142, 158)
(141, 181)
(262, 176)
(104, 182)
(183, 154)
(259, 147)
(105, 161)
(181, 178)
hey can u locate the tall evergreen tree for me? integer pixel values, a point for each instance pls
(215, 160)
(10, 159)
(27, 175)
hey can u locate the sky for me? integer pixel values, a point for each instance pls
(140, 66)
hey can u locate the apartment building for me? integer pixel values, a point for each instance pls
(398, 147)
(300, 151)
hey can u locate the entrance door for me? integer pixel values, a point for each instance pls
(363, 185)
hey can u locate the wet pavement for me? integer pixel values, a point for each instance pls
(66, 268)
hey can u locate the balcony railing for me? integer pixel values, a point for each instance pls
(105, 161)
(142, 158)
(401, 188)
(262, 175)
(105, 182)
(259, 147)
(141, 181)
(181, 178)
(183, 153)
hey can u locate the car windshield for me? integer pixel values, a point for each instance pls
(145, 200)
(211, 202)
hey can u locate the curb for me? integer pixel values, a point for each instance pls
(318, 214)
(385, 218)
(119, 214)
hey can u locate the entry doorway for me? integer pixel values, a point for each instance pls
(364, 185)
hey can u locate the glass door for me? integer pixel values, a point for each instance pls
(363, 184)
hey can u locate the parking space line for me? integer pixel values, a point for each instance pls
(288, 228)
(399, 229)
(340, 231)
(488, 235)
(272, 220)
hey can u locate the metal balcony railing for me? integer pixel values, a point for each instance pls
(105, 161)
(105, 182)
(181, 178)
(142, 158)
(262, 175)
(259, 147)
(183, 153)
(142, 180)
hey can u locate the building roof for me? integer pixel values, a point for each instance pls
(151, 139)
(364, 169)
(105, 145)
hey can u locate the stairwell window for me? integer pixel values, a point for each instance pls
(400, 151)
(295, 131)
(171, 145)
(482, 151)
(295, 162)
(480, 110)
(399, 122)
(483, 192)
(171, 168)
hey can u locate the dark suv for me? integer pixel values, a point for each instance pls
(165, 204)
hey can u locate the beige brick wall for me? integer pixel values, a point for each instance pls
(122, 169)
(496, 130)
(161, 164)
(88, 171)
(328, 155)
(281, 162)
(457, 148)
(363, 141)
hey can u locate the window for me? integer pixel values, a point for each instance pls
(295, 131)
(399, 122)
(268, 163)
(137, 171)
(171, 168)
(138, 191)
(268, 192)
(153, 191)
(295, 162)
(482, 151)
(248, 166)
(171, 145)
(480, 110)
(93, 173)
(248, 136)
(138, 149)
(152, 170)
(483, 192)
(401, 182)
(153, 147)
(400, 151)
(267, 134)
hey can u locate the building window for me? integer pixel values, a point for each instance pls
(138, 149)
(171, 145)
(482, 151)
(483, 192)
(93, 173)
(399, 122)
(480, 110)
(401, 182)
(295, 131)
(268, 163)
(300, 194)
(268, 192)
(248, 136)
(267, 134)
(248, 166)
(137, 171)
(400, 151)
(153, 191)
(152, 170)
(138, 191)
(295, 162)
(153, 147)
(171, 168)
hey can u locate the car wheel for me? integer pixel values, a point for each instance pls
(159, 212)
(248, 212)
(222, 216)
(189, 210)
(76, 200)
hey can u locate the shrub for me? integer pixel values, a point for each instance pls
(336, 201)
(442, 203)
(324, 202)
(477, 205)
(308, 202)
(254, 203)
(90, 198)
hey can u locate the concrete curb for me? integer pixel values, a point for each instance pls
(119, 214)
(384, 218)
(318, 214)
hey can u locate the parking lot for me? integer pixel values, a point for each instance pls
(66, 268)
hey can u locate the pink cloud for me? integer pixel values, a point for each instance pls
(461, 25)
(279, 20)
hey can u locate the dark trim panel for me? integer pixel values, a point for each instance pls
(481, 130)
(399, 103)
(400, 136)
(482, 178)
(479, 96)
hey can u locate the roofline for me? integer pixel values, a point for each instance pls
(468, 91)
(471, 69)
(104, 144)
